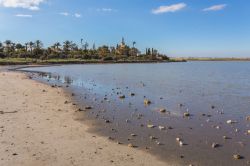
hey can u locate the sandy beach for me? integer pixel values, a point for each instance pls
(38, 128)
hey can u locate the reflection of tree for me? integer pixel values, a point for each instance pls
(68, 80)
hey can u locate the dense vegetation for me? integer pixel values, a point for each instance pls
(68, 50)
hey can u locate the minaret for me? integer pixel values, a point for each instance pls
(123, 41)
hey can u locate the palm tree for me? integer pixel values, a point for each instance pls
(38, 44)
(31, 46)
(67, 45)
(8, 45)
(57, 45)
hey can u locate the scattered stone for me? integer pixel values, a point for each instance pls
(162, 127)
(132, 94)
(248, 118)
(152, 137)
(213, 107)
(237, 157)
(133, 135)
(159, 143)
(248, 131)
(107, 121)
(122, 97)
(178, 139)
(186, 114)
(181, 143)
(131, 145)
(231, 122)
(225, 137)
(215, 145)
(151, 126)
(14, 154)
(162, 110)
(147, 102)
(88, 107)
(80, 110)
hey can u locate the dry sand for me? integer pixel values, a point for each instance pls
(37, 128)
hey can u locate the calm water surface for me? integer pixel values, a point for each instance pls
(195, 87)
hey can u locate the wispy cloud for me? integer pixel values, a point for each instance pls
(26, 4)
(216, 7)
(24, 15)
(64, 13)
(77, 15)
(106, 10)
(170, 8)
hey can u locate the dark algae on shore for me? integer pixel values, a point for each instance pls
(194, 113)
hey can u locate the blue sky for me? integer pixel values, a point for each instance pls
(215, 28)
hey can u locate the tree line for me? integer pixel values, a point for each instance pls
(69, 49)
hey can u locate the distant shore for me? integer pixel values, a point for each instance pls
(39, 128)
(209, 59)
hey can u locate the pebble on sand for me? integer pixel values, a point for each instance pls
(131, 145)
(248, 132)
(237, 156)
(88, 107)
(248, 118)
(122, 97)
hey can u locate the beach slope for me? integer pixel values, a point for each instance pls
(38, 128)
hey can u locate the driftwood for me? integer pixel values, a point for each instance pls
(11, 112)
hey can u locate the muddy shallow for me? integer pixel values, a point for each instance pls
(211, 92)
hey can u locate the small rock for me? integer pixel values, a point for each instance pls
(186, 114)
(132, 94)
(162, 110)
(152, 137)
(162, 127)
(151, 126)
(133, 135)
(248, 131)
(225, 137)
(131, 145)
(147, 102)
(122, 97)
(237, 156)
(231, 122)
(248, 118)
(107, 121)
(215, 145)
(178, 139)
(88, 107)
(213, 107)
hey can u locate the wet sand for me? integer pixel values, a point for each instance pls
(37, 127)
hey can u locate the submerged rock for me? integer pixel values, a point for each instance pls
(186, 114)
(215, 145)
(231, 122)
(147, 102)
(248, 118)
(162, 127)
(122, 97)
(151, 126)
(88, 107)
(163, 110)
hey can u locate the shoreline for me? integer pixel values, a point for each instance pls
(70, 62)
(39, 117)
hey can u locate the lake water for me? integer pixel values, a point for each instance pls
(212, 92)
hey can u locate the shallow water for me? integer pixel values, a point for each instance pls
(195, 87)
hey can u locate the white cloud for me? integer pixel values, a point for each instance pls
(26, 4)
(106, 10)
(64, 13)
(215, 7)
(24, 15)
(171, 8)
(77, 15)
